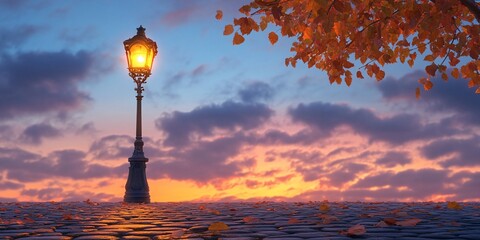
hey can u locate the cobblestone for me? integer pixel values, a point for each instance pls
(245, 221)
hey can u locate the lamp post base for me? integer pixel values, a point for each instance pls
(136, 189)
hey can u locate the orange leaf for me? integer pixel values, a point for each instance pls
(250, 219)
(218, 226)
(408, 223)
(228, 29)
(429, 58)
(455, 73)
(431, 69)
(273, 37)
(428, 85)
(477, 91)
(324, 207)
(380, 75)
(359, 75)
(177, 233)
(454, 205)
(201, 207)
(219, 15)
(293, 221)
(238, 39)
(356, 230)
(445, 76)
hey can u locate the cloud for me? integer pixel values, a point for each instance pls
(35, 133)
(392, 159)
(49, 85)
(256, 91)
(419, 184)
(15, 36)
(202, 161)
(51, 193)
(453, 96)
(181, 126)
(460, 152)
(24, 166)
(398, 129)
(5, 185)
(112, 147)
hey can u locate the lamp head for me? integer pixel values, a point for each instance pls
(140, 52)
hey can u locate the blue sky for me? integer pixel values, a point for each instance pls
(246, 125)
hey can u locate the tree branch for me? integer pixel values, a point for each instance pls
(473, 7)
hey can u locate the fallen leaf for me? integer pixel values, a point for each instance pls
(250, 219)
(381, 224)
(390, 221)
(177, 233)
(356, 230)
(324, 207)
(293, 221)
(408, 223)
(218, 226)
(454, 205)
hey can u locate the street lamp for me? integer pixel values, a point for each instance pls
(140, 52)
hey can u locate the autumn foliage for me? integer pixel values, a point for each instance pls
(331, 34)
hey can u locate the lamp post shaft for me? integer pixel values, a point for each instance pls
(136, 189)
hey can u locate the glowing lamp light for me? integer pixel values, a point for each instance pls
(140, 52)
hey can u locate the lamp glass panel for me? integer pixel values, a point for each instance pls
(138, 56)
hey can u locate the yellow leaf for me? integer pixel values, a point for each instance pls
(454, 205)
(219, 15)
(324, 207)
(417, 93)
(218, 226)
(273, 37)
(228, 29)
(238, 39)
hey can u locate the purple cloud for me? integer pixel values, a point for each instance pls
(49, 85)
(461, 152)
(256, 91)
(35, 133)
(392, 159)
(181, 126)
(201, 161)
(24, 166)
(452, 96)
(5, 185)
(397, 129)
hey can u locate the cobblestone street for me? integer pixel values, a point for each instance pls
(262, 220)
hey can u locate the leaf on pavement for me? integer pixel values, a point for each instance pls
(409, 222)
(218, 226)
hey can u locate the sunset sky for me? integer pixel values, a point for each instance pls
(220, 122)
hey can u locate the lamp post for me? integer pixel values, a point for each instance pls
(140, 52)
